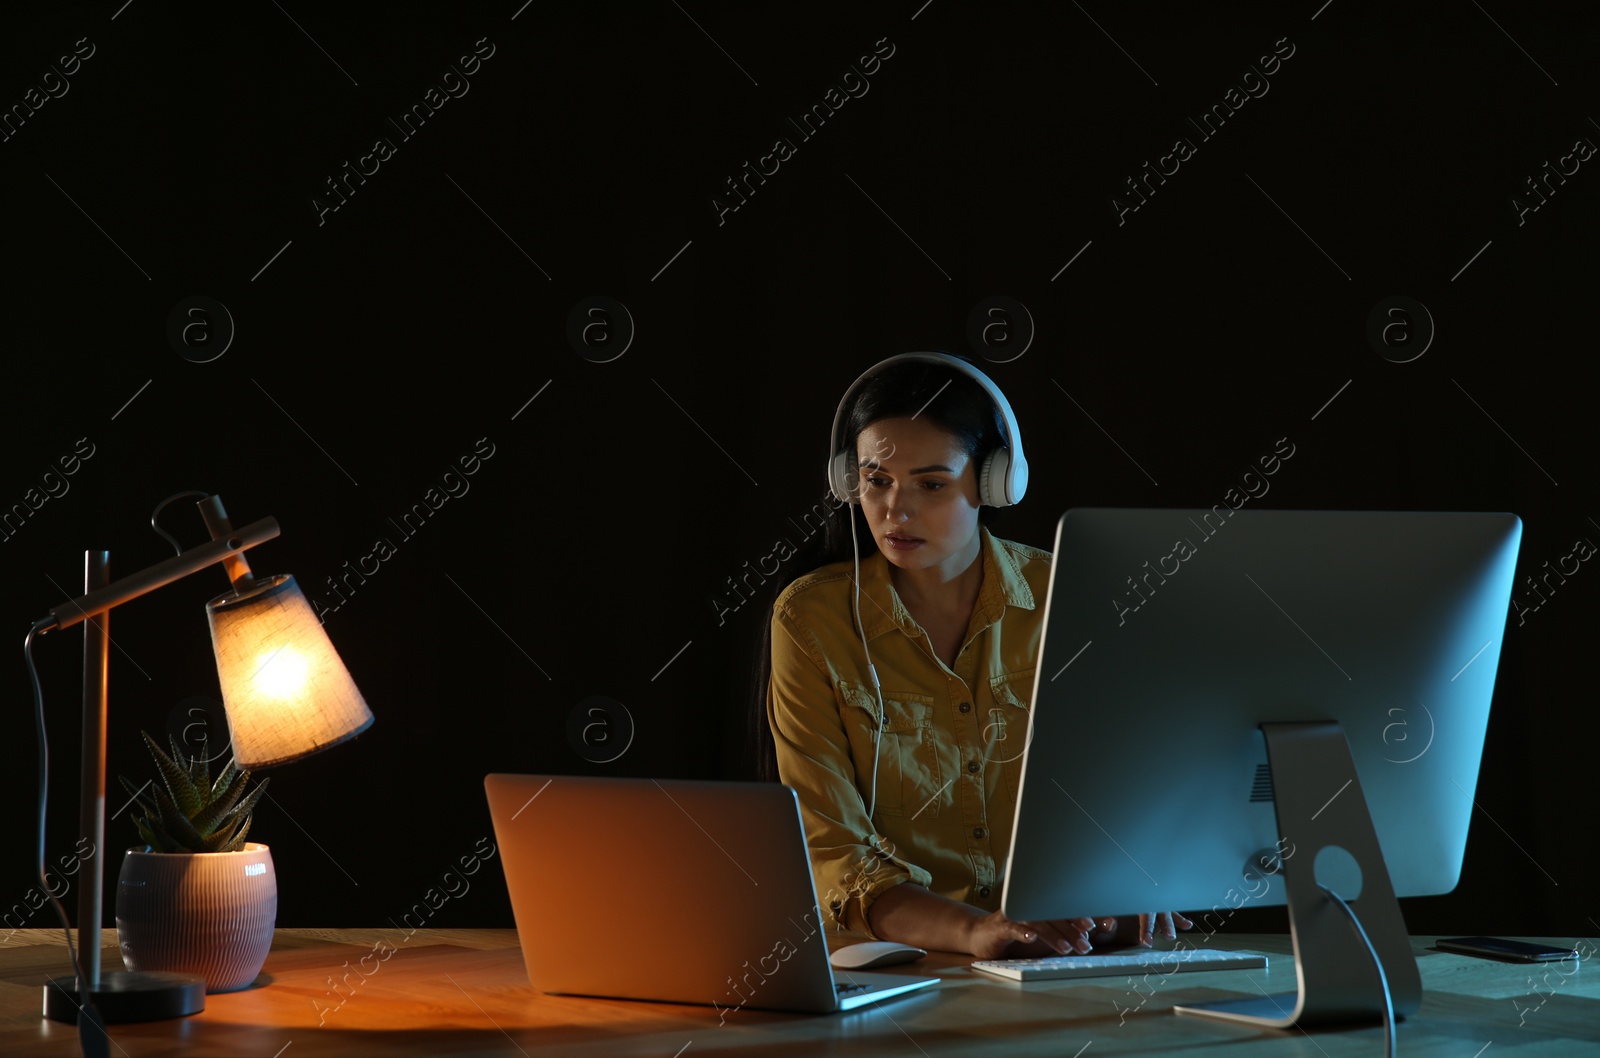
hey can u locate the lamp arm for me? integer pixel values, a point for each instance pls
(223, 549)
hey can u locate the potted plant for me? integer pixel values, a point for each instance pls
(196, 897)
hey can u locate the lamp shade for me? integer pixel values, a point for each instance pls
(286, 691)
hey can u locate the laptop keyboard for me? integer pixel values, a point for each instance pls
(843, 990)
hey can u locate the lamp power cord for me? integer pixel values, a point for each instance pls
(92, 1036)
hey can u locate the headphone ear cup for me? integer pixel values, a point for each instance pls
(839, 478)
(992, 482)
(1016, 475)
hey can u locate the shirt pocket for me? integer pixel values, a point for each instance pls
(1008, 729)
(908, 761)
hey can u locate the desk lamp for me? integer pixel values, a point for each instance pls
(286, 693)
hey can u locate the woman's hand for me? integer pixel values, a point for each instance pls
(1149, 924)
(994, 936)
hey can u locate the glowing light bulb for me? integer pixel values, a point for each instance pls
(282, 673)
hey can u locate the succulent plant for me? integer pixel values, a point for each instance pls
(189, 812)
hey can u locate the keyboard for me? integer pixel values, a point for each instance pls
(1120, 964)
(842, 990)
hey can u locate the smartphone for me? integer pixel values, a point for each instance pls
(1507, 950)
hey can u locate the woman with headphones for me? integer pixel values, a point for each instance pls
(897, 696)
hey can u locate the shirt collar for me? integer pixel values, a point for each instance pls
(1003, 585)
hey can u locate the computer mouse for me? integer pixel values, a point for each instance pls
(872, 953)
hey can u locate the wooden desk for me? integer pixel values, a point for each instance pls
(465, 992)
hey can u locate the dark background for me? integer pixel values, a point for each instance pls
(380, 345)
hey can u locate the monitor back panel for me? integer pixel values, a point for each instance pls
(1171, 633)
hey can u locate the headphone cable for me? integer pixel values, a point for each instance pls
(873, 672)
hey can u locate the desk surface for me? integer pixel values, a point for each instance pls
(465, 992)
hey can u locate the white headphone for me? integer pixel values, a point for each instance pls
(1002, 480)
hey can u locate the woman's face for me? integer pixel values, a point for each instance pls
(919, 492)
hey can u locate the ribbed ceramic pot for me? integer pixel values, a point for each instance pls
(205, 913)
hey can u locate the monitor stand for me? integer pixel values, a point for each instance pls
(1320, 805)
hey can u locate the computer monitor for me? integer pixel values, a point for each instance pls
(1178, 645)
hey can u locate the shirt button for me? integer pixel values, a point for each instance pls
(972, 765)
(983, 890)
(979, 833)
(966, 707)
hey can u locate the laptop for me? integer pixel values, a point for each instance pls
(671, 890)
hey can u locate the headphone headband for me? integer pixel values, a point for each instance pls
(1002, 479)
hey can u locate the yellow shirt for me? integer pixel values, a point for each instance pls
(950, 753)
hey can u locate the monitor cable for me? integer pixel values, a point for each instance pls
(1377, 964)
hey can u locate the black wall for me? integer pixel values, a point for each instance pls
(378, 343)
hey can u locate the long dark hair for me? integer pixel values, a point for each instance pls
(902, 390)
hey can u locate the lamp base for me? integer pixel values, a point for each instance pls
(127, 996)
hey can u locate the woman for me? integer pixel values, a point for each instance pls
(897, 699)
